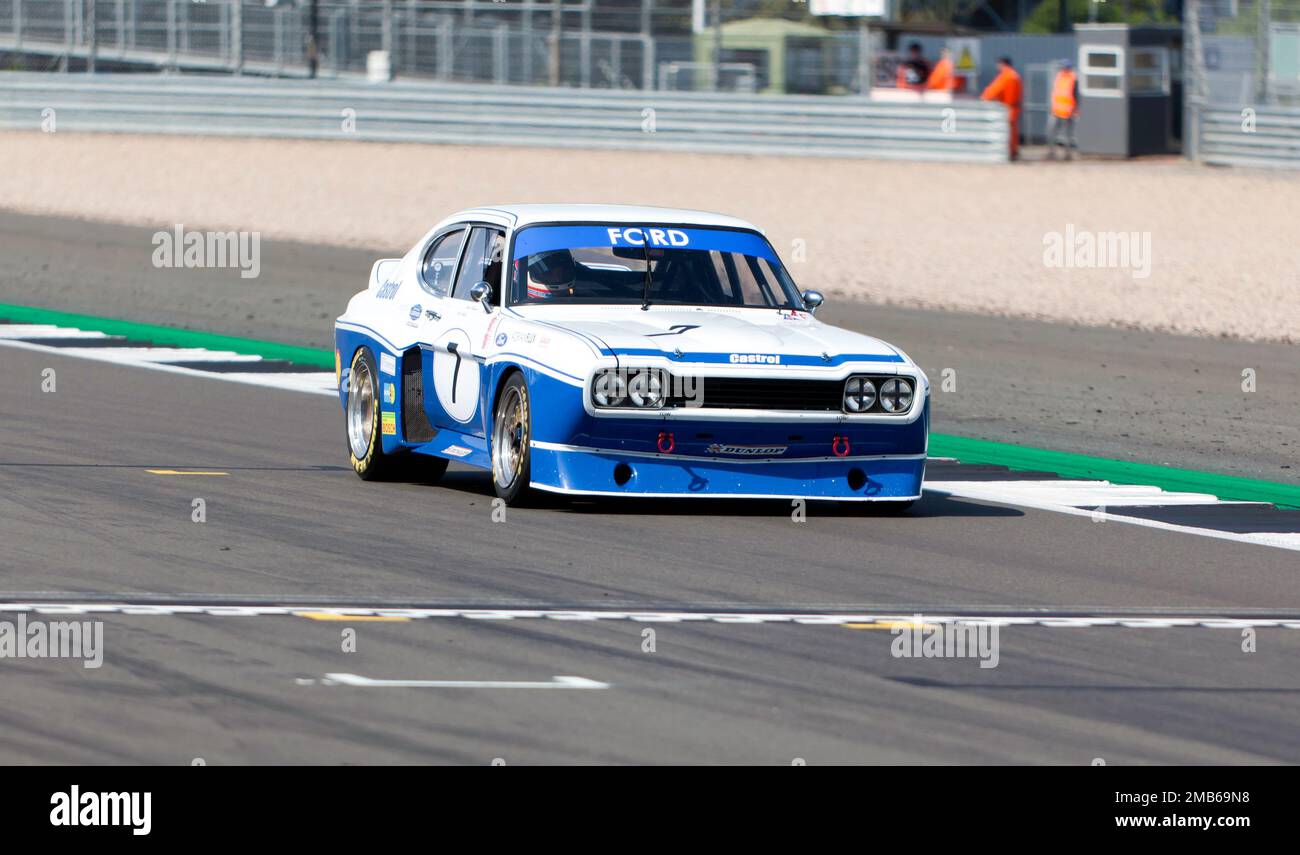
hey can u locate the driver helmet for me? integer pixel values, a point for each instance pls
(550, 272)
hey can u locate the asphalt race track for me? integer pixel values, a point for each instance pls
(525, 640)
(289, 525)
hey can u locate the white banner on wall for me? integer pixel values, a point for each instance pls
(849, 8)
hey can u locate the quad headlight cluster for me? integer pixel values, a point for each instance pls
(878, 394)
(642, 389)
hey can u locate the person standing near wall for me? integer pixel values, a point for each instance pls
(943, 77)
(1065, 107)
(913, 70)
(1008, 89)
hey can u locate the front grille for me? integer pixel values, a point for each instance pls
(744, 393)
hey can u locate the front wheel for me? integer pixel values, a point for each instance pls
(511, 448)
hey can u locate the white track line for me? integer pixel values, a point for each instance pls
(358, 681)
(158, 359)
(45, 331)
(988, 491)
(1078, 494)
(828, 618)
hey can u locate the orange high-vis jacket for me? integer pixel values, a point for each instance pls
(1063, 101)
(942, 77)
(1007, 88)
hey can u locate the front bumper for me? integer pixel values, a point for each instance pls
(598, 472)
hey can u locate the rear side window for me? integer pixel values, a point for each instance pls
(440, 263)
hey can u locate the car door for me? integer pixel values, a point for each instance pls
(460, 340)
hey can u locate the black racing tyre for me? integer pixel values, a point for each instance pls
(361, 420)
(888, 509)
(512, 457)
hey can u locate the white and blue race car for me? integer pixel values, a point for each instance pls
(603, 350)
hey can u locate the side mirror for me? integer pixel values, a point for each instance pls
(812, 299)
(481, 293)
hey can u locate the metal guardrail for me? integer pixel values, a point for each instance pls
(1251, 136)
(506, 115)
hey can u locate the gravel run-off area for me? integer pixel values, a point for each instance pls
(1224, 244)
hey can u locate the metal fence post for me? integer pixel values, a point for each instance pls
(1193, 102)
(500, 54)
(446, 61)
(18, 24)
(67, 34)
(585, 47)
(183, 24)
(386, 31)
(171, 34)
(92, 36)
(120, 12)
(223, 34)
(648, 62)
(237, 36)
(557, 26)
(412, 35)
(277, 40)
(526, 38)
(1261, 52)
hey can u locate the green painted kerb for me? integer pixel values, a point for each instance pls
(1116, 471)
(307, 356)
(941, 445)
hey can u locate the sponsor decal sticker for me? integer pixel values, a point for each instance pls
(487, 334)
(387, 363)
(388, 423)
(675, 329)
(457, 451)
(390, 393)
(748, 450)
(648, 237)
(501, 339)
(755, 359)
(387, 291)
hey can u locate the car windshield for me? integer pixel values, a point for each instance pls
(659, 265)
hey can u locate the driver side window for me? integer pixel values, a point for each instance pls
(483, 262)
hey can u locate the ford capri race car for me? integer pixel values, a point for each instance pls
(601, 350)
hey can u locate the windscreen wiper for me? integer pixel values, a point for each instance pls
(645, 291)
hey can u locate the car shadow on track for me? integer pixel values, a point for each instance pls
(930, 505)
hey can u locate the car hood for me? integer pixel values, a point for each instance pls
(752, 336)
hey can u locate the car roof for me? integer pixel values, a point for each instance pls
(523, 215)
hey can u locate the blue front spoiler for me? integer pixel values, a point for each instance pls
(581, 471)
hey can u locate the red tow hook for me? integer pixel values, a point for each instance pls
(840, 446)
(666, 443)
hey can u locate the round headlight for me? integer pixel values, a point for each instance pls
(896, 395)
(609, 390)
(646, 389)
(859, 394)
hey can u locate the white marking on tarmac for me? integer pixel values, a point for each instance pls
(1063, 499)
(736, 616)
(46, 331)
(566, 682)
(159, 359)
(1078, 494)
